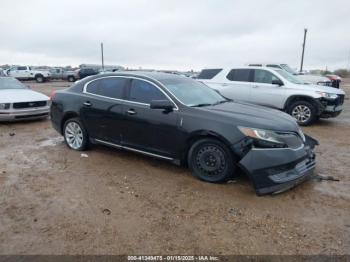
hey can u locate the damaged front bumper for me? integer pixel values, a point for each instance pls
(274, 170)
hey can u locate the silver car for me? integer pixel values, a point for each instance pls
(277, 89)
(18, 102)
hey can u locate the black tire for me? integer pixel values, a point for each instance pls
(71, 78)
(303, 111)
(85, 138)
(39, 78)
(211, 161)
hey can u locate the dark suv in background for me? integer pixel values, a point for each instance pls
(84, 72)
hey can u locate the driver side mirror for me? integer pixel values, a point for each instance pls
(162, 104)
(277, 82)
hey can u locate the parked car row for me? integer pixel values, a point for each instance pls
(276, 88)
(40, 76)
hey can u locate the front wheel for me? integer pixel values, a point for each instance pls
(75, 134)
(303, 111)
(211, 161)
(39, 79)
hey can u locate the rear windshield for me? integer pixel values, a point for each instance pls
(209, 73)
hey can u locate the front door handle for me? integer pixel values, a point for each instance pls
(87, 103)
(131, 112)
(255, 86)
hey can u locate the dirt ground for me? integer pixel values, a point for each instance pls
(54, 201)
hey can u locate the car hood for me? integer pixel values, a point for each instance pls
(249, 115)
(320, 88)
(20, 95)
(313, 78)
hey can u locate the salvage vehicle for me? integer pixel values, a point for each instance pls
(18, 102)
(306, 78)
(179, 119)
(335, 79)
(278, 89)
(62, 74)
(27, 73)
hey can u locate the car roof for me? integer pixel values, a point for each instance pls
(242, 67)
(146, 74)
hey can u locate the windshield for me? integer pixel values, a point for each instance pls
(289, 77)
(10, 83)
(192, 93)
(288, 69)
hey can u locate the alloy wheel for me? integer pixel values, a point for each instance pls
(74, 135)
(301, 113)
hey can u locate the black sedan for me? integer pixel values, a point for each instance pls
(181, 120)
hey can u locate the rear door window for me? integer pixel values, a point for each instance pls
(144, 92)
(208, 73)
(263, 76)
(242, 75)
(112, 87)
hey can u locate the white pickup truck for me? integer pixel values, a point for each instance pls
(27, 73)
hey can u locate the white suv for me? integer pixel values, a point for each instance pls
(278, 89)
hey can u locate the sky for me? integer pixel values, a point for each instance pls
(175, 34)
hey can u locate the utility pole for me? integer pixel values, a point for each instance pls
(103, 63)
(302, 54)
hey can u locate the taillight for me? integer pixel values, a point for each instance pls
(53, 93)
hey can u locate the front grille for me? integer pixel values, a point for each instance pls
(341, 99)
(336, 83)
(32, 116)
(29, 104)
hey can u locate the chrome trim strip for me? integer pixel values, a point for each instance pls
(107, 143)
(282, 148)
(133, 149)
(123, 100)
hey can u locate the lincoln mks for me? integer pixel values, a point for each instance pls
(181, 120)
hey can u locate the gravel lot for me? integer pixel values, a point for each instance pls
(54, 201)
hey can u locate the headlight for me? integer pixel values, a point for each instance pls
(324, 83)
(4, 106)
(272, 139)
(327, 95)
(301, 134)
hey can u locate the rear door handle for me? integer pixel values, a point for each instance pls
(131, 112)
(87, 103)
(255, 86)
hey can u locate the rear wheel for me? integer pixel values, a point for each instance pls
(211, 161)
(303, 111)
(71, 78)
(75, 134)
